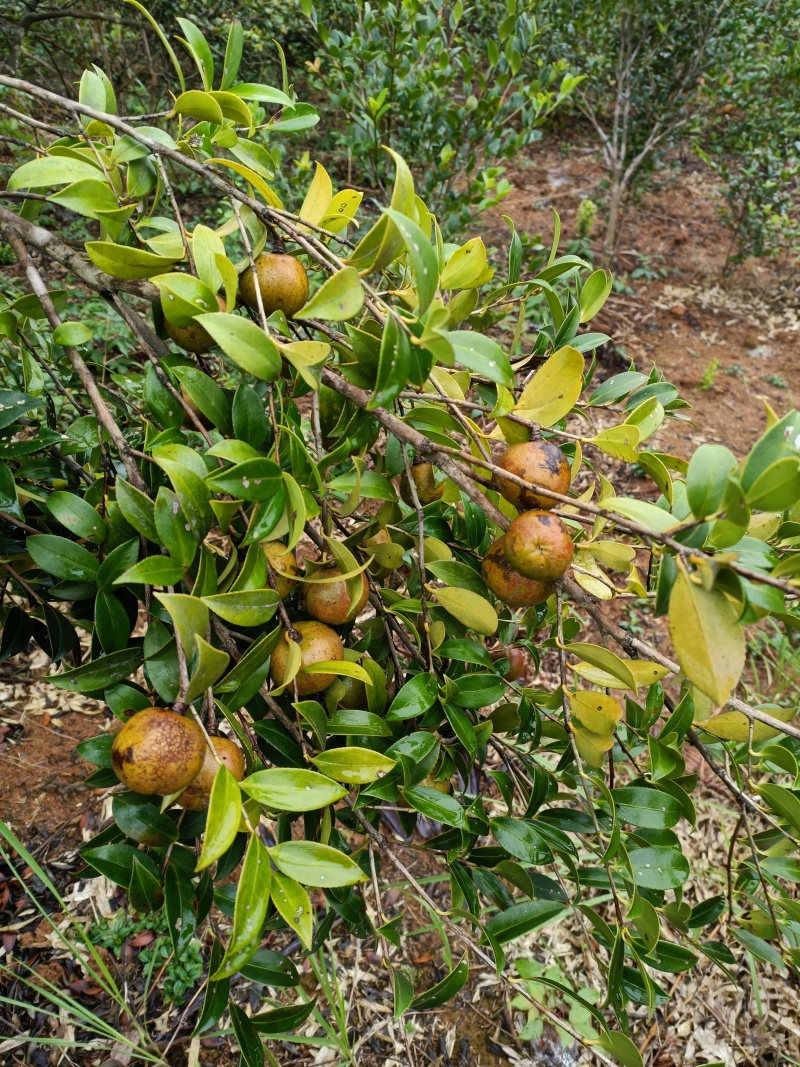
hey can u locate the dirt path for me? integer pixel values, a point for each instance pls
(738, 336)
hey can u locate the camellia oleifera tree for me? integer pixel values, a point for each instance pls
(372, 393)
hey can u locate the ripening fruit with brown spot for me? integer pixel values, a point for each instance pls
(516, 660)
(330, 601)
(283, 282)
(318, 644)
(508, 584)
(197, 794)
(194, 337)
(158, 751)
(281, 559)
(534, 461)
(427, 489)
(538, 545)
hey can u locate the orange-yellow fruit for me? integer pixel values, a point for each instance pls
(158, 751)
(329, 601)
(283, 283)
(427, 489)
(508, 584)
(194, 337)
(281, 559)
(318, 644)
(197, 794)
(538, 545)
(516, 660)
(534, 461)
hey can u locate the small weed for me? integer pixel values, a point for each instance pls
(736, 370)
(646, 271)
(180, 973)
(579, 1015)
(777, 381)
(709, 374)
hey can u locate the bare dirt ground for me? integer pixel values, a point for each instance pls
(741, 340)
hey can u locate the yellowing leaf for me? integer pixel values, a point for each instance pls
(599, 590)
(339, 298)
(353, 765)
(469, 608)
(293, 661)
(619, 442)
(595, 711)
(612, 554)
(592, 747)
(603, 659)
(341, 210)
(318, 198)
(645, 672)
(255, 180)
(554, 388)
(735, 726)
(467, 267)
(708, 641)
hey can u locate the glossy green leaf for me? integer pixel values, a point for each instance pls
(252, 899)
(710, 470)
(707, 638)
(394, 364)
(224, 815)
(647, 808)
(471, 609)
(138, 509)
(520, 838)
(78, 516)
(209, 668)
(443, 991)
(482, 355)
(415, 698)
(189, 616)
(659, 867)
(249, 607)
(155, 570)
(438, 806)
(423, 258)
(101, 672)
(62, 557)
(294, 906)
(520, 919)
(244, 343)
(317, 865)
(292, 789)
(339, 298)
(353, 765)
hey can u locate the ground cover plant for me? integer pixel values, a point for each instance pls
(313, 531)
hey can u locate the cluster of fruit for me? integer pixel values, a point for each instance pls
(522, 565)
(283, 284)
(162, 752)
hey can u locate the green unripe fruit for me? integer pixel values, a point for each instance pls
(194, 337)
(427, 489)
(283, 282)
